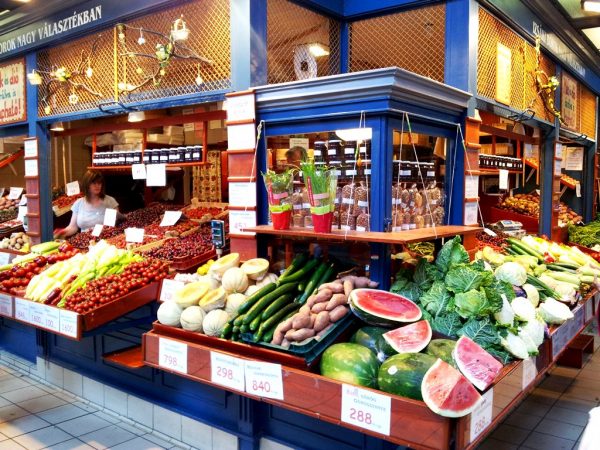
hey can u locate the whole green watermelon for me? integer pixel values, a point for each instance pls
(350, 363)
(402, 374)
(371, 337)
(442, 348)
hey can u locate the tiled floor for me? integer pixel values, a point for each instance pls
(36, 416)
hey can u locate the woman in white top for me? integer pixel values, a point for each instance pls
(89, 211)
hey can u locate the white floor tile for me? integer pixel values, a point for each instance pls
(12, 384)
(86, 407)
(72, 444)
(115, 400)
(139, 444)
(139, 410)
(62, 413)
(43, 438)
(2, 437)
(158, 441)
(107, 417)
(196, 433)
(93, 391)
(10, 445)
(27, 393)
(22, 425)
(39, 404)
(132, 429)
(167, 422)
(82, 425)
(107, 437)
(3, 401)
(11, 412)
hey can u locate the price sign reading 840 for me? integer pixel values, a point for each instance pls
(172, 355)
(264, 379)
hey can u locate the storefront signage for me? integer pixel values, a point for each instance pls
(264, 379)
(172, 355)
(556, 46)
(13, 106)
(227, 371)
(240, 108)
(574, 158)
(529, 372)
(481, 417)
(503, 73)
(366, 409)
(568, 104)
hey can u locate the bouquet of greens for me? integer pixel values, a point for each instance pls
(321, 183)
(279, 190)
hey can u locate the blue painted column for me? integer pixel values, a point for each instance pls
(587, 183)
(248, 43)
(345, 47)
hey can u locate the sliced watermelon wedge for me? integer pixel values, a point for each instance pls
(410, 338)
(475, 363)
(447, 393)
(383, 308)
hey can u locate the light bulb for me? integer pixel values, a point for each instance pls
(89, 72)
(199, 80)
(121, 36)
(121, 86)
(139, 71)
(162, 72)
(47, 109)
(73, 98)
(141, 39)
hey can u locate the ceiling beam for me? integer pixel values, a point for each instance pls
(586, 22)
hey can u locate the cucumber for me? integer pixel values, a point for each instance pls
(312, 284)
(227, 329)
(235, 330)
(245, 307)
(266, 301)
(558, 268)
(276, 306)
(244, 328)
(524, 247)
(274, 320)
(238, 320)
(255, 323)
(301, 273)
(268, 336)
(296, 264)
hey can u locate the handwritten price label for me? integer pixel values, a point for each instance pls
(15, 193)
(264, 379)
(481, 417)
(68, 323)
(227, 371)
(97, 231)
(168, 288)
(138, 171)
(72, 188)
(170, 218)
(37, 315)
(110, 217)
(366, 409)
(172, 355)
(529, 371)
(6, 305)
(52, 319)
(22, 311)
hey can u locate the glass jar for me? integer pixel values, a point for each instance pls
(334, 149)
(197, 153)
(173, 156)
(155, 158)
(164, 155)
(320, 151)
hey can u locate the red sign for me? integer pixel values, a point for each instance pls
(13, 105)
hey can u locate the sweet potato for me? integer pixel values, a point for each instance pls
(288, 335)
(348, 287)
(303, 333)
(285, 325)
(336, 300)
(300, 320)
(322, 321)
(361, 282)
(338, 313)
(310, 301)
(285, 343)
(335, 286)
(318, 307)
(324, 330)
(313, 317)
(305, 309)
(277, 337)
(323, 296)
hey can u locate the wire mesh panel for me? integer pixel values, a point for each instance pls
(209, 37)
(523, 90)
(587, 112)
(300, 43)
(413, 40)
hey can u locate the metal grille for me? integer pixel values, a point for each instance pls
(587, 112)
(413, 40)
(523, 90)
(289, 29)
(209, 25)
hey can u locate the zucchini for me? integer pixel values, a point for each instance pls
(313, 283)
(266, 301)
(268, 336)
(297, 262)
(301, 273)
(255, 323)
(274, 320)
(238, 320)
(559, 268)
(244, 328)
(275, 306)
(227, 329)
(245, 307)
(524, 247)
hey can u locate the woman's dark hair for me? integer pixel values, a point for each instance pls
(90, 177)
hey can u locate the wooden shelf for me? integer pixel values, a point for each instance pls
(192, 164)
(132, 357)
(484, 171)
(402, 237)
(566, 183)
(532, 165)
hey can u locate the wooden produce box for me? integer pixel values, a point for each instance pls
(530, 224)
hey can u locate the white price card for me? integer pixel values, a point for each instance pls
(503, 183)
(264, 379)
(37, 313)
(578, 189)
(529, 371)
(4, 258)
(471, 186)
(31, 148)
(22, 212)
(558, 150)
(52, 319)
(170, 218)
(138, 171)
(242, 194)
(31, 167)
(15, 193)
(23, 201)
(366, 409)
(481, 417)
(240, 107)
(72, 188)
(69, 323)
(172, 355)
(168, 288)
(241, 137)
(239, 220)
(156, 175)
(22, 311)
(134, 235)
(97, 231)
(489, 232)
(227, 371)
(6, 305)
(110, 217)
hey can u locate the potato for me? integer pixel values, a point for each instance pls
(336, 300)
(338, 313)
(303, 333)
(322, 321)
(300, 320)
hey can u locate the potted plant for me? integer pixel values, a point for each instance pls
(279, 192)
(321, 184)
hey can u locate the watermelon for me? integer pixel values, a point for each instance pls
(442, 348)
(410, 338)
(372, 338)
(402, 374)
(350, 363)
(447, 393)
(475, 363)
(382, 308)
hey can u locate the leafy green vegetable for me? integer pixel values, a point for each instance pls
(405, 286)
(451, 253)
(472, 304)
(481, 331)
(502, 355)
(463, 278)
(437, 300)
(588, 235)
(496, 289)
(448, 325)
(426, 274)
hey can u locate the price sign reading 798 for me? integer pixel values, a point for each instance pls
(172, 355)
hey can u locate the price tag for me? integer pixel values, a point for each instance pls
(529, 371)
(156, 175)
(97, 231)
(37, 313)
(170, 218)
(503, 184)
(578, 189)
(4, 258)
(31, 167)
(489, 232)
(22, 213)
(110, 217)
(30, 147)
(481, 417)
(6, 305)
(23, 201)
(366, 409)
(15, 193)
(134, 235)
(172, 355)
(52, 319)
(138, 171)
(72, 188)
(168, 288)
(69, 323)
(538, 192)
(227, 371)
(264, 379)
(22, 311)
